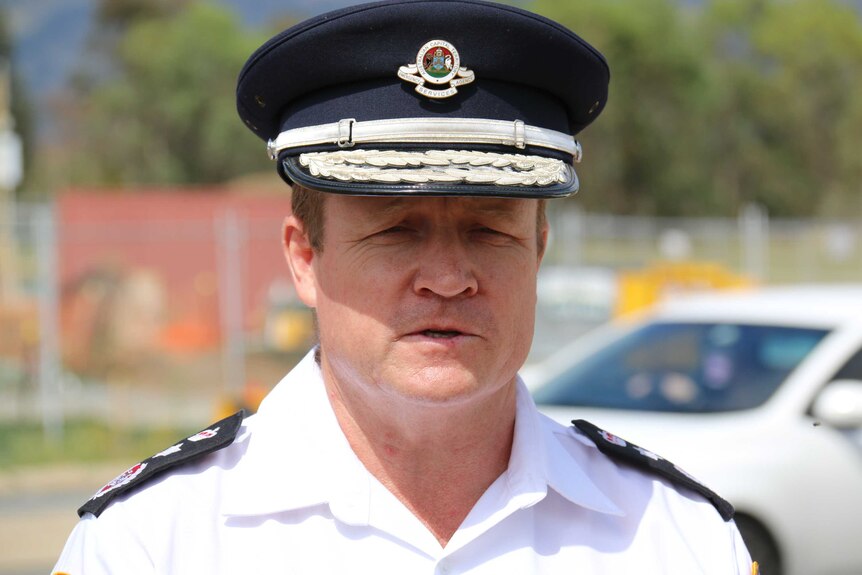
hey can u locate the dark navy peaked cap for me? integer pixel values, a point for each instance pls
(425, 97)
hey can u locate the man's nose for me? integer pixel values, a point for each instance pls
(445, 268)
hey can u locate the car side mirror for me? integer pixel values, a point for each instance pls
(840, 404)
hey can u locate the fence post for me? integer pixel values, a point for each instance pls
(50, 377)
(230, 244)
(573, 235)
(754, 241)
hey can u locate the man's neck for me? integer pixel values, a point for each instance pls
(437, 460)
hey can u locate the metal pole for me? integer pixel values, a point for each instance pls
(11, 166)
(50, 380)
(573, 238)
(754, 230)
(8, 247)
(230, 244)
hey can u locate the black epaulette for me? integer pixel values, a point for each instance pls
(620, 449)
(217, 436)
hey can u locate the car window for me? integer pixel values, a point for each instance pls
(852, 369)
(685, 367)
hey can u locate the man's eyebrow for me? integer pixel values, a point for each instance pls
(487, 207)
(381, 209)
(389, 206)
(498, 207)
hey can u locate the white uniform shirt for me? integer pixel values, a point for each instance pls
(290, 496)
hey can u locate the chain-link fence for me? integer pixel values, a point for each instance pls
(763, 249)
(156, 309)
(161, 308)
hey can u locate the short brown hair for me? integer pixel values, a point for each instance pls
(307, 206)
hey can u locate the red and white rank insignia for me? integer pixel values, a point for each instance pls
(205, 434)
(124, 478)
(170, 450)
(437, 62)
(611, 438)
(647, 453)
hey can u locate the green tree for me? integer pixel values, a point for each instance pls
(791, 74)
(716, 104)
(168, 114)
(648, 151)
(124, 13)
(20, 113)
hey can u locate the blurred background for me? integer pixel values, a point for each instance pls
(142, 288)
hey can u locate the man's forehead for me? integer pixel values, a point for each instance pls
(393, 206)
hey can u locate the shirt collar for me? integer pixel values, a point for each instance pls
(539, 460)
(298, 457)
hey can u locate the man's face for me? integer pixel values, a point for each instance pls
(430, 299)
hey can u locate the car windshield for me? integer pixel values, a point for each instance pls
(684, 367)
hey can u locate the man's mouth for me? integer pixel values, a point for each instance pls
(440, 334)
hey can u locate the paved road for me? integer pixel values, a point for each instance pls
(37, 512)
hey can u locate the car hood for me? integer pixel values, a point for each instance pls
(699, 443)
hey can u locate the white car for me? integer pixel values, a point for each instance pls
(758, 394)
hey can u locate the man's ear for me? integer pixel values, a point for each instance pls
(543, 245)
(300, 258)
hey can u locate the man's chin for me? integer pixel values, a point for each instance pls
(442, 386)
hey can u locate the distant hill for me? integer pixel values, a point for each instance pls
(50, 37)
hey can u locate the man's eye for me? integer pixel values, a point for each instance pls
(395, 230)
(490, 231)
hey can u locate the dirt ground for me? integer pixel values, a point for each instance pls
(37, 512)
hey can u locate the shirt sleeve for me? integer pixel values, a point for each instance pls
(743, 558)
(96, 547)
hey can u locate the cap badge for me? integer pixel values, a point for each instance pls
(437, 62)
(124, 478)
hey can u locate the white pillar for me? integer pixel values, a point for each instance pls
(230, 248)
(50, 376)
(754, 233)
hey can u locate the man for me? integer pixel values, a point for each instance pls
(405, 442)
